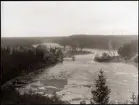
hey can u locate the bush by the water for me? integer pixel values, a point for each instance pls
(128, 50)
(15, 60)
(39, 99)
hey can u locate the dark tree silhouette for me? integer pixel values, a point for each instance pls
(15, 60)
(101, 93)
(128, 50)
(12, 96)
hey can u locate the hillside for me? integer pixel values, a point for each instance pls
(86, 41)
(97, 41)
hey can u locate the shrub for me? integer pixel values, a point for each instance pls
(134, 99)
(128, 50)
(12, 96)
(38, 99)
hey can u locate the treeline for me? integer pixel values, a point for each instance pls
(15, 60)
(81, 41)
(26, 41)
(95, 41)
(17, 41)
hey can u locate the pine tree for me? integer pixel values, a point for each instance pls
(101, 93)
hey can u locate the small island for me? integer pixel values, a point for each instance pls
(124, 54)
(105, 57)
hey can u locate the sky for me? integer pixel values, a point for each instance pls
(64, 18)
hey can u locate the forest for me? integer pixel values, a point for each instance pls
(15, 60)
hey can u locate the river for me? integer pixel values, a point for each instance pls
(72, 80)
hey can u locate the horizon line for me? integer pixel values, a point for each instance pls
(69, 35)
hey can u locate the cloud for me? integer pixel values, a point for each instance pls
(68, 17)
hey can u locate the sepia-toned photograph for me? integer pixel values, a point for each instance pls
(69, 52)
